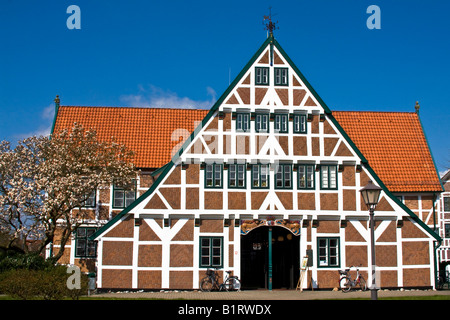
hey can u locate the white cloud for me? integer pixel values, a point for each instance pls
(155, 97)
(45, 124)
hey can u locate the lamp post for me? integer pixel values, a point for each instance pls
(371, 195)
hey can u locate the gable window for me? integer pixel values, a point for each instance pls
(283, 177)
(328, 252)
(243, 122)
(260, 176)
(305, 176)
(213, 175)
(124, 196)
(262, 123)
(281, 76)
(300, 123)
(261, 75)
(236, 175)
(211, 252)
(328, 176)
(83, 246)
(281, 123)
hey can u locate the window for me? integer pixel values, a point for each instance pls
(261, 76)
(328, 252)
(243, 122)
(211, 252)
(447, 204)
(281, 123)
(283, 177)
(236, 175)
(213, 175)
(260, 176)
(447, 230)
(124, 196)
(328, 177)
(83, 246)
(281, 76)
(300, 123)
(305, 176)
(91, 200)
(262, 123)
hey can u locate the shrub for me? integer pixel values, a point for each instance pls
(48, 284)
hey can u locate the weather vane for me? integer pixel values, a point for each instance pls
(270, 25)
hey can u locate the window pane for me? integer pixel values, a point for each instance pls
(246, 122)
(241, 176)
(232, 175)
(301, 177)
(446, 204)
(118, 198)
(297, 123)
(310, 176)
(303, 123)
(279, 176)
(277, 123)
(205, 242)
(264, 175)
(287, 176)
(324, 174)
(255, 175)
(284, 123)
(333, 176)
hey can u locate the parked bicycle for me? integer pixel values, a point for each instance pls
(211, 282)
(346, 283)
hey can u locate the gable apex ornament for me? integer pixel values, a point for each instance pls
(270, 25)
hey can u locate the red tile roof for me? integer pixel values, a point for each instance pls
(151, 133)
(392, 142)
(395, 146)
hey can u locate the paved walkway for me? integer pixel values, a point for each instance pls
(269, 295)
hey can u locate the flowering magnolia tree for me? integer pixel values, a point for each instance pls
(43, 179)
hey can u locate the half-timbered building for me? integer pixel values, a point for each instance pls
(267, 176)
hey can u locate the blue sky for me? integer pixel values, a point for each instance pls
(184, 53)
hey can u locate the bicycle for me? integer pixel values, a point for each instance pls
(211, 282)
(346, 283)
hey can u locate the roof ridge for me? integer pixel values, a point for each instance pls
(150, 108)
(364, 111)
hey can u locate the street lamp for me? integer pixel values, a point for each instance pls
(371, 195)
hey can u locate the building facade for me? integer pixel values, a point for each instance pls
(271, 175)
(444, 225)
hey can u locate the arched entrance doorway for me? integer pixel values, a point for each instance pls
(258, 258)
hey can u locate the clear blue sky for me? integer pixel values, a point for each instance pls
(182, 53)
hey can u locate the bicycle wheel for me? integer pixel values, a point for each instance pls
(232, 284)
(206, 284)
(345, 284)
(362, 284)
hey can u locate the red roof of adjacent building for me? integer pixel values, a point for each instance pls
(152, 133)
(395, 146)
(393, 143)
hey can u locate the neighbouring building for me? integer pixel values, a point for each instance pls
(269, 163)
(444, 226)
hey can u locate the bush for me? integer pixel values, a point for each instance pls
(48, 284)
(30, 261)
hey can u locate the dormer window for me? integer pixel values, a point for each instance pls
(281, 76)
(262, 76)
